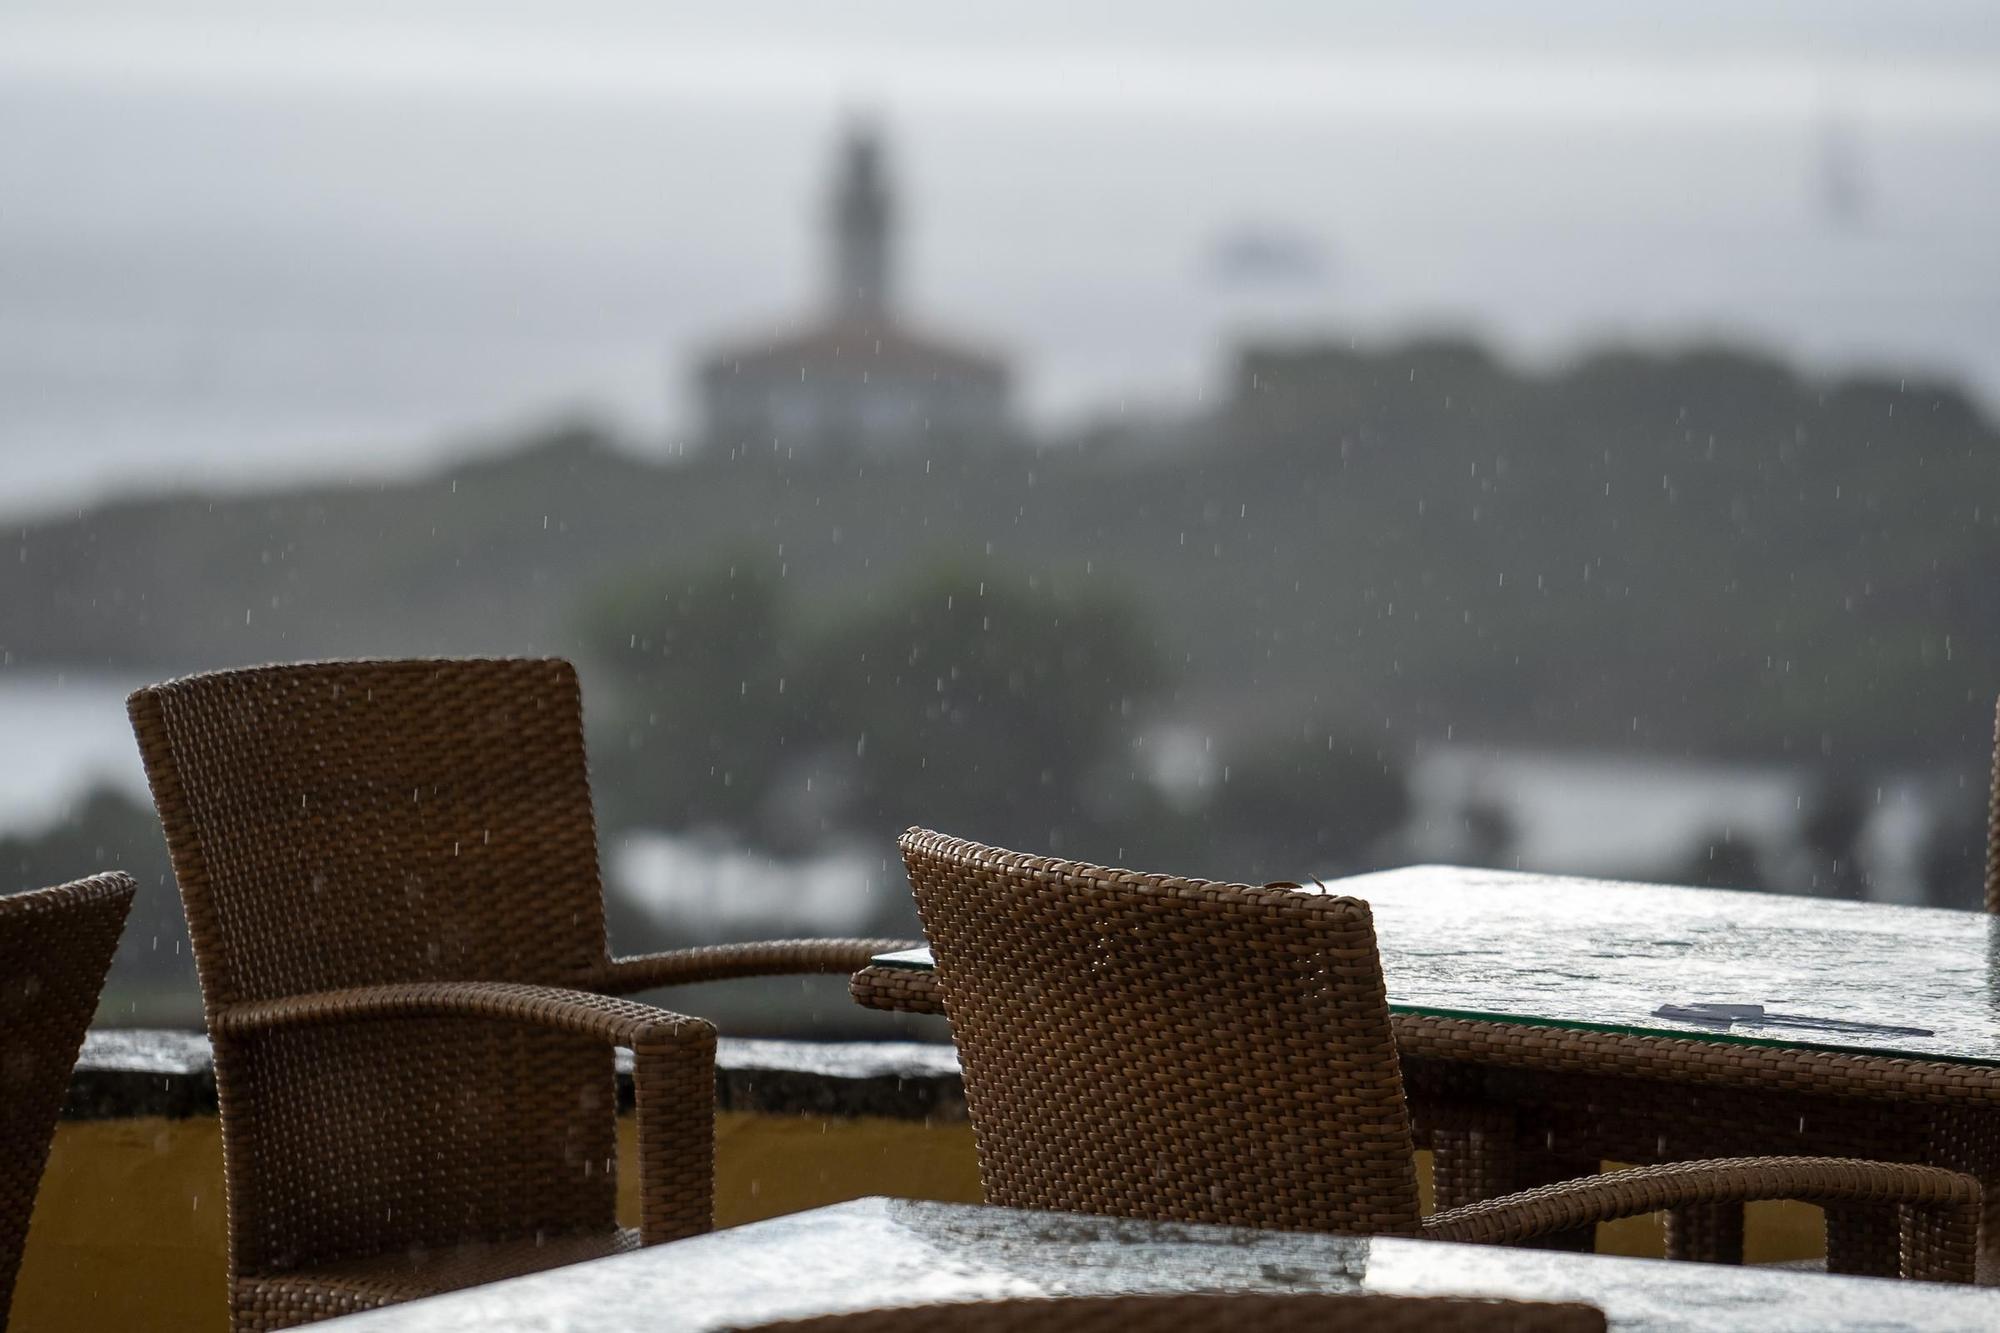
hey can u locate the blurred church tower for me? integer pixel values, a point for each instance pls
(859, 377)
(861, 217)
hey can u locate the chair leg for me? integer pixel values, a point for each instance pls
(1477, 1153)
(1968, 1140)
(1864, 1239)
(1472, 1155)
(1934, 1249)
(1710, 1233)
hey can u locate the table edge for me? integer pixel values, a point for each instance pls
(1565, 1048)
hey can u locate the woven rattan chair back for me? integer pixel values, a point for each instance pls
(1174, 1049)
(55, 947)
(1993, 824)
(353, 823)
(1213, 1312)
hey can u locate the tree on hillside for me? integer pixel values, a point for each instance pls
(1834, 818)
(1315, 803)
(1955, 845)
(699, 715)
(985, 704)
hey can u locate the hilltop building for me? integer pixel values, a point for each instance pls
(858, 377)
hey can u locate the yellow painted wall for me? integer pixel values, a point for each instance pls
(128, 1229)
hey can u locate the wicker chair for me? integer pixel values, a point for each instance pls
(1212, 1312)
(391, 881)
(55, 947)
(1144, 1046)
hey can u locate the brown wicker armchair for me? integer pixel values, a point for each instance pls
(1145, 1046)
(1213, 1312)
(391, 881)
(55, 947)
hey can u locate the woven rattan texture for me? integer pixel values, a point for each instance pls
(398, 829)
(1653, 1099)
(1882, 1218)
(1215, 1313)
(1647, 1099)
(717, 962)
(55, 947)
(895, 989)
(390, 873)
(1631, 1098)
(1634, 1098)
(1145, 1046)
(448, 797)
(1624, 1055)
(1181, 1050)
(1993, 824)
(1591, 1096)
(1597, 1096)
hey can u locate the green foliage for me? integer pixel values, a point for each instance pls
(1706, 552)
(988, 703)
(698, 710)
(981, 703)
(1314, 803)
(982, 699)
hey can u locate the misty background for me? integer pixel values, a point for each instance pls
(1510, 434)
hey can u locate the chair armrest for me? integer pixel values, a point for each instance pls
(673, 1069)
(898, 990)
(579, 1013)
(1940, 1208)
(721, 961)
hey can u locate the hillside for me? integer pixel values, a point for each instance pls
(1701, 552)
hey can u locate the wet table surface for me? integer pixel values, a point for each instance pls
(1606, 955)
(880, 1252)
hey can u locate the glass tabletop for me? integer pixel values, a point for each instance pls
(1603, 955)
(881, 1252)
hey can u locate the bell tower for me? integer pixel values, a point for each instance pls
(861, 217)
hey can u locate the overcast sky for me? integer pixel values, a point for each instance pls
(1944, 29)
(249, 234)
(446, 34)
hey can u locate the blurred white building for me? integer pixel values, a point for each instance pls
(858, 377)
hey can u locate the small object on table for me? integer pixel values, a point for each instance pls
(1756, 1015)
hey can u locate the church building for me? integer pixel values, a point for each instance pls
(858, 378)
